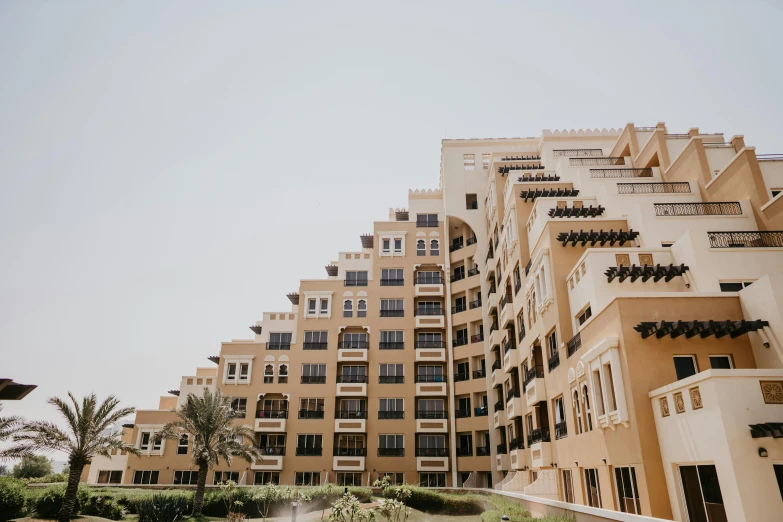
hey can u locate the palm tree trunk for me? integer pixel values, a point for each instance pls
(69, 500)
(198, 498)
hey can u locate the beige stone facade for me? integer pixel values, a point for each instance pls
(590, 317)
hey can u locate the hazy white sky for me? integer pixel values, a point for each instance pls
(168, 171)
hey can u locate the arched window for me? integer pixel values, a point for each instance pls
(586, 401)
(348, 308)
(269, 374)
(434, 247)
(577, 413)
(282, 374)
(421, 248)
(361, 308)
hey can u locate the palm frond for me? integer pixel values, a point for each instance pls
(44, 436)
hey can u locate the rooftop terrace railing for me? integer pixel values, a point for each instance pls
(759, 239)
(677, 187)
(580, 153)
(584, 162)
(621, 173)
(724, 208)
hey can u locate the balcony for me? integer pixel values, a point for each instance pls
(461, 414)
(356, 282)
(465, 452)
(392, 282)
(677, 187)
(430, 344)
(427, 224)
(535, 387)
(481, 411)
(537, 436)
(432, 425)
(514, 405)
(350, 452)
(352, 354)
(431, 354)
(278, 346)
(309, 452)
(497, 374)
(506, 312)
(458, 308)
(431, 388)
(482, 451)
(514, 443)
(459, 276)
(501, 449)
(355, 425)
(577, 211)
(428, 286)
(456, 244)
(357, 389)
(480, 374)
(510, 359)
(574, 344)
(270, 462)
(353, 345)
(621, 173)
(315, 346)
(474, 304)
(313, 379)
(577, 153)
(476, 338)
(349, 462)
(391, 452)
(273, 421)
(461, 377)
(510, 344)
(432, 463)
(311, 414)
(490, 255)
(554, 361)
(561, 430)
(432, 452)
(499, 406)
(386, 415)
(430, 318)
(473, 271)
(459, 341)
(595, 162)
(391, 345)
(766, 239)
(350, 414)
(391, 379)
(392, 313)
(729, 208)
(430, 378)
(352, 378)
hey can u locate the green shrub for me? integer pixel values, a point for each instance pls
(48, 479)
(436, 502)
(104, 505)
(12, 497)
(131, 498)
(48, 503)
(162, 508)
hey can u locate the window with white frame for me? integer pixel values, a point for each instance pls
(434, 247)
(311, 306)
(318, 305)
(627, 491)
(237, 371)
(182, 444)
(592, 488)
(279, 341)
(421, 247)
(605, 379)
(361, 308)
(586, 314)
(432, 480)
(391, 445)
(395, 478)
(185, 477)
(551, 342)
(307, 478)
(685, 366)
(266, 477)
(568, 487)
(225, 476)
(269, 373)
(721, 362)
(347, 308)
(392, 244)
(110, 477)
(148, 441)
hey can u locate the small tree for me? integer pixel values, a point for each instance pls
(82, 439)
(32, 466)
(209, 422)
(266, 496)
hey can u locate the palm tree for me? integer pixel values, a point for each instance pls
(82, 439)
(9, 426)
(209, 423)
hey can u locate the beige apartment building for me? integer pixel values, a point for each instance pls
(588, 317)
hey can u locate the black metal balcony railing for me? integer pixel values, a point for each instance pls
(427, 224)
(459, 276)
(675, 187)
(459, 341)
(461, 414)
(313, 379)
(310, 452)
(726, 208)
(481, 411)
(430, 344)
(392, 282)
(352, 378)
(432, 452)
(514, 444)
(561, 430)
(476, 338)
(392, 313)
(527, 267)
(350, 452)
(474, 304)
(427, 279)
(499, 405)
(272, 414)
(536, 372)
(430, 414)
(428, 311)
(497, 365)
(430, 378)
(538, 435)
(479, 374)
(493, 327)
(356, 282)
(575, 211)
(311, 414)
(554, 361)
(315, 346)
(350, 414)
(517, 286)
(385, 415)
(482, 451)
(458, 308)
(501, 449)
(509, 345)
(461, 376)
(391, 452)
(577, 153)
(621, 173)
(574, 344)
(278, 346)
(492, 289)
(521, 158)
(272, 450)
(391, 345)
(456, 246)
(505, 300)
(506, 170)
(473, 271)
(471, 241)
(521, 333)
(465, 452)
(592, 162)
(770, 238)
(512, 393)
(391, 379)
(353, 345)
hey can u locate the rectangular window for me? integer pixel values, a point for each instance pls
(145, 440)
(734, 286)
(434, 247)
(391, 373)
(568, 487)
(186, 477)
(279, 341)
(394, 478)
(349, 479)
(182, 446)
(428, 278)
(592, 488)
(397, 245)
(354, 340)
(324, 306)
(110, 477)
(721, 362)
(313, 373)
(426, 220)
(430, 373)
(387, 245)
(627, 492)
(685, 366)
(309, 444)
(311, 408)
(552, 343)
(356, 278)
(388, 406)
(432, 480)
(584, 316)
(316, 340)
(701, 489)
(469, 161)
(429, 340)
(392, 308)
(239, 405)
(244, 371)
(266, 477)
(311, 303)
(272, 443)
(392, 277)
(231, 371)
(307, 478)
(145, 477)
